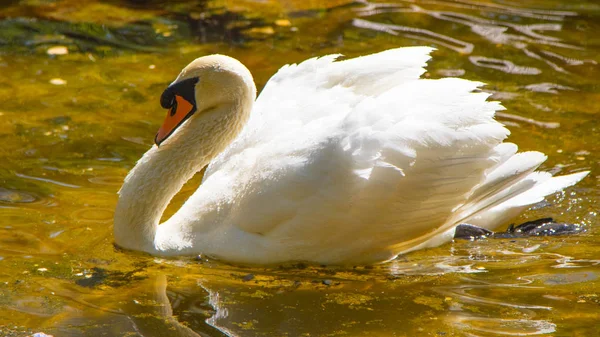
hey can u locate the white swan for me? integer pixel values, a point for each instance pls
(346, 162)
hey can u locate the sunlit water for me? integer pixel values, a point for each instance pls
(79, 104)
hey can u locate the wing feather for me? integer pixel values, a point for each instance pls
(362, 159)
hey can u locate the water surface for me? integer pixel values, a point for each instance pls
(79, 105)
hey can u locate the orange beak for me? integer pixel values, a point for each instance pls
(177, 114)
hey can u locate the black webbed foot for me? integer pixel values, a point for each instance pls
(540, 227)
(466, 231)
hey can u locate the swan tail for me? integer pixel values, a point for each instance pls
(501, 207)
(508, 189)
(511, 186)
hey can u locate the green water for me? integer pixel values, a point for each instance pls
(79, 105)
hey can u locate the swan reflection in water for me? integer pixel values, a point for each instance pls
(424, 294)
(258, 311)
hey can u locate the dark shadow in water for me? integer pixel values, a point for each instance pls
(26, 34)
(186, 5)
(33, 32)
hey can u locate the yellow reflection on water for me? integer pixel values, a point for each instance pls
(79, 93)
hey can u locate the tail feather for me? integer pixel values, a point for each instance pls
(497, 209)
(549, 186)
(510, 188)
(511, 177)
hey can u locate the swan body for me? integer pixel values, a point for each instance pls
(336, 162)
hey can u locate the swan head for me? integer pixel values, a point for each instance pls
(215, 85)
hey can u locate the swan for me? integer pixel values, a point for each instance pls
(337, 162)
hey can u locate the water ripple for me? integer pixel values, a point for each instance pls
(461, 292)
(482, 307)
(96, 214)
(501, 326)
(494, 28)
(14, 196)
(503, 65)
(549, 88)
(46, 180)
(417, 34)
(569, 262)
(106, 180)
(11, 198)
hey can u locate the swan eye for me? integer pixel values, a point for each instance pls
(173, 108)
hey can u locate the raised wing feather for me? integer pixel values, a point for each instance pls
(320, 90)
(360, 160)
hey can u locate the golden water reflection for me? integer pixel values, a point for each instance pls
(79, 105)
(491, 288)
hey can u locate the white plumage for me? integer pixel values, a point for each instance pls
(344, 162)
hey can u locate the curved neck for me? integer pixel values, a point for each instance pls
(162, 171)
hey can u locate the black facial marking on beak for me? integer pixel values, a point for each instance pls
(185, 89)
(180, 99)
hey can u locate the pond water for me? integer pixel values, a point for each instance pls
(79, 97)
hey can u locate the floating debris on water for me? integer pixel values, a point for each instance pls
(58, 50)
(58, 81)
(283, 23)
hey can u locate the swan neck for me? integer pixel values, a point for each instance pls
(146, 193)
(162, 172)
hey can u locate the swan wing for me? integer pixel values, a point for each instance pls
(358, 160)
